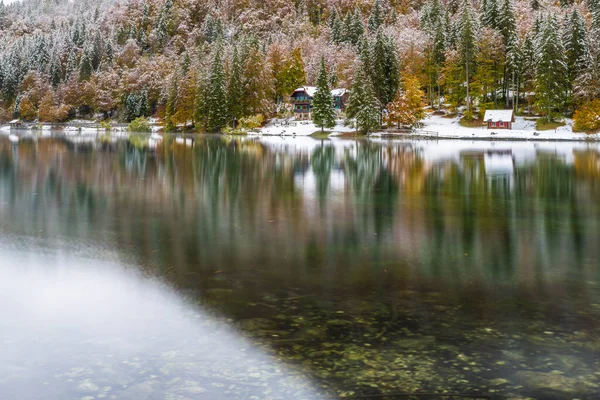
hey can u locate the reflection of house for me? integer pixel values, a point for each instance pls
(340, 98)
(302, 102)
(499, 119)
(498, 164)
(302, 99)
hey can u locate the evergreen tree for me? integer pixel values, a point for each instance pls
(362, 104)
(322, 107)
(385, 70)
(347, 28)
(357, 27)
(467, 44)
(507, 24)
(217, 93)
(235, 89)
(336, 27)
(164, 22)
(551, 69)
(71, 64)
(377, 17)
(55, 70)
(491, 14)
(576, 43)
(85, 66)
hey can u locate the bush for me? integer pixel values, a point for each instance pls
(140, 125)
(251, 123)
(587, 117)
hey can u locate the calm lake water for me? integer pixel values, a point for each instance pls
(219, 268)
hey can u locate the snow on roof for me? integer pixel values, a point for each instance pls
(14, 121)
(310, 90)
(338, 92)
(498, 116)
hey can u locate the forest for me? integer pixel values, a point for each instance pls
(218, 64)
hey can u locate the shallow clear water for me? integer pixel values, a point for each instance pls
(295, 268)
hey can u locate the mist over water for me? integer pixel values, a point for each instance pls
(228, 268)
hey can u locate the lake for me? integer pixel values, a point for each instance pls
(279, 268)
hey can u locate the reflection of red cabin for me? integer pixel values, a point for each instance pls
(499, 119)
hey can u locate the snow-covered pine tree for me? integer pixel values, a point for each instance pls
(347, 27)
(336, 27)
(467, 44)
(217, 92)
(235, 89)
(357, 27)
(85, 66)
(587, 83)
(362, 104)
(376, 18)
(551, 69)
(507, 24)
(576, 42)
(491, 14)
(323, 112)
(385, 69)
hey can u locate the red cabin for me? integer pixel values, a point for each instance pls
(499, 119)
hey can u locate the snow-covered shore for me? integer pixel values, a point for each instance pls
(298, 128)
(450, 128)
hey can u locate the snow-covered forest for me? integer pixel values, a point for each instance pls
(211, 63)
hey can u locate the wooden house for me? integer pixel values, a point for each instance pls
(301, 101)
(499, 119)
(16, 124)
(340, 99)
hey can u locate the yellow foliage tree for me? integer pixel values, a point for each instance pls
(407, 107)
(587, 117)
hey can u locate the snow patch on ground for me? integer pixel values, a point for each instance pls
(522, 130)
(278, 127)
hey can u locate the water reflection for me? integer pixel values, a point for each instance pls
(370, 266)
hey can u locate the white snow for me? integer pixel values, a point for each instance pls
(298, 128)
(498, 116)
(441, 127)
(310, 90)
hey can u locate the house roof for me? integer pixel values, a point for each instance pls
(310, 90)
(338, 92)
(15, 121)
(498, 116)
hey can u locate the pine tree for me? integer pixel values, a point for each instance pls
(506, 21)
(235, 89)
(468, 45)
(385, 69)
(362, 104)
(347, 28)
(55, 70)
(217, 93)
(85, 66)
(322, 107)
(551, 69)
(164, 22)
(376, 18)
(336, 27)
(491, 14)
(357, 27)
(576, 43)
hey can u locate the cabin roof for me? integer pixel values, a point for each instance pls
(338, 92)
(310, 90)
(15, 121)
(498, 116)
